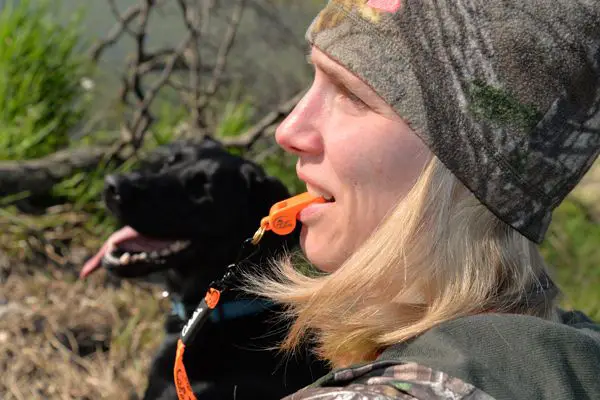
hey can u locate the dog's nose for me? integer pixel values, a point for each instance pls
(112, 190)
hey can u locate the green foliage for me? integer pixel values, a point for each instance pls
(40, 72)
(84, 191)
(168, 117)
(235, 119)
(283, 166)
(572, 250)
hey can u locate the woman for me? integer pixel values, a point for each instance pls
(443, 134)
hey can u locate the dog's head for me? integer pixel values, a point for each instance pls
(191, 202)
(201, 191)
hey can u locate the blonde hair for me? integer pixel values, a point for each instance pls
(439, 255)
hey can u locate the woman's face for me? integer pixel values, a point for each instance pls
(351, 147)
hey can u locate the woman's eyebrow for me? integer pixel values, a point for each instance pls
(352, 84)
(347, 82)
(338, 78)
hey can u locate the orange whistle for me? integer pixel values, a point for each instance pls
(283, 215)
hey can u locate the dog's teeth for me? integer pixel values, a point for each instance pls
(179, 245)
(154, 254)
(143, 256)
(125, 258)
(165, 252)
(111, 259)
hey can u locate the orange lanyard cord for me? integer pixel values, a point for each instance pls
(282, 221)
(199, 317)
(182, 383)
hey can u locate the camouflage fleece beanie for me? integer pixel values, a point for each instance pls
(506, 93)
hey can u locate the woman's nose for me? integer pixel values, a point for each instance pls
(299, 132)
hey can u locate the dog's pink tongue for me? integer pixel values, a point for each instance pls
(123, 234)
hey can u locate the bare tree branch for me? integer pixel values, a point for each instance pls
(138, 93)
(123, 20)
(287, 35)
(149, 72)
(142, 118)
(263, 127)
(122, 26)
(193, 23)
(225, 48)
(38, 176)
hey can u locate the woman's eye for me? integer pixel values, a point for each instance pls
(355, 99)
(352, 98)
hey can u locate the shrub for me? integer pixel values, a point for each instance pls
(41, 69)
(571, 248)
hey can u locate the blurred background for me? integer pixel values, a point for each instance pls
(89, 88)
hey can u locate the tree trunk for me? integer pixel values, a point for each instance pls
(38, 176)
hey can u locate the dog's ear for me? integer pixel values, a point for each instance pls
(209, 142)
(264, 190)
(274, 189)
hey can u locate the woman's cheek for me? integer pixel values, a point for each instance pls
(351, 148)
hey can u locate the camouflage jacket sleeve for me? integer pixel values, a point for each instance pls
(386, 381)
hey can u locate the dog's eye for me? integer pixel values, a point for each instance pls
(196, 185)
(170, 161)
(174, 158)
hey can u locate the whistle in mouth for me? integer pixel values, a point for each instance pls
(283, 215)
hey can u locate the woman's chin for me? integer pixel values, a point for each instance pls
(318, 251)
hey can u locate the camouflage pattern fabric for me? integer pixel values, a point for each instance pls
(505, 93)
(384, 380)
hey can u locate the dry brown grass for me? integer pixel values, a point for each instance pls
(63, 338)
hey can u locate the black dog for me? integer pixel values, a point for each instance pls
(188, 218)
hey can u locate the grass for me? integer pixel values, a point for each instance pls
(60, 337)
(40, 72)
(55, 333)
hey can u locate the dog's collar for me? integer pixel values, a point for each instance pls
(225, 311)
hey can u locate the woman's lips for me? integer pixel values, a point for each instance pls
(313, 211)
